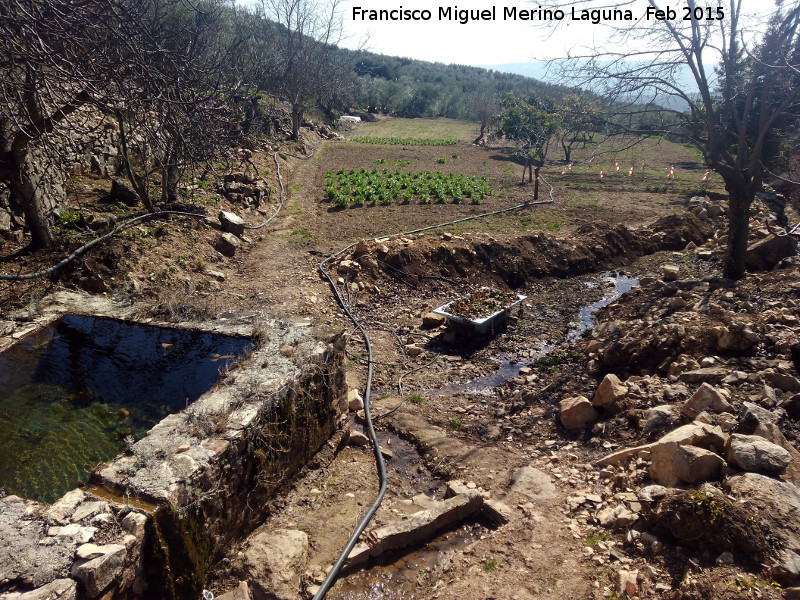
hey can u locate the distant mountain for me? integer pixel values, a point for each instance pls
(539, 70)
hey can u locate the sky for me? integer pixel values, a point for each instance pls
(474, 43)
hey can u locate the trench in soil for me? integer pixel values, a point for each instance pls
(399, 575)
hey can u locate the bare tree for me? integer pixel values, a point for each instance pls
(50, 66)
(303, 62)
(174, 92)
(736, 104)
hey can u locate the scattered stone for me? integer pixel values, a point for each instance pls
(785, 383)
(616, 516)
(123, 192)
(708, 374)
(792, 406)
(274, 561)
(736, 338)
(60, 589)
(672, 463)
(764, 255)
(217, 275)
(358, 438)
(231, 223)
(89, 509)
(705, 398)
(659, 419)
(417, 528)
(670, 272)
(576, 412)
(431, 320)
(754, 453)
(242, 592)
(227, 244)
(622, 456)
(611, 389)
(413, 350)
(626, 583)
(777, 503)
(355, 401)
(99, 573)
(496, 512)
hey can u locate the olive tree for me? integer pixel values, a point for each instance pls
(530, 121)
(745, 79)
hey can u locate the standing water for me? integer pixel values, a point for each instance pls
(75, 393)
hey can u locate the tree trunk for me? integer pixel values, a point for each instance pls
(536, 185)
(480, 137)
(297, 117)
(29, 189)
(738, 227)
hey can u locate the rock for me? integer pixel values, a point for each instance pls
(123, 192)
(764, 255)
(358, 438)
(227, 244)
(242, 592)
(659, 419)
(672, 463)
(431, 320)
(792, 406)
(616, 516)
(99, 573)
(134, 523)
(88, 509)
(726, 558)
(65, 506)
(89, 551)
(274, 561)
(576, 412)
(785, 383)
(216, 275)
(496, 512)
(535, 484)
(60, 589)
(354, 400)
(626, 583)
(231, 223)
(413, 350)
(705, 398)
(622, 456)
(418, 528)
(736, 338)
(778, 504)
(754, 453)
(696, 434)
(670, 272)
(709, 374)
(611, 389)
(100, 221)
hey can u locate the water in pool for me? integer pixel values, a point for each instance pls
(73, 394)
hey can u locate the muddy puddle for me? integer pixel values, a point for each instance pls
(401, 577)
(508, 365)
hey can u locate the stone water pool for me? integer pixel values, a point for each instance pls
(77, 392)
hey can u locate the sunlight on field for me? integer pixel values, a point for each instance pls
(419, 129)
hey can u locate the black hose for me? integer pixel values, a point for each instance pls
(333, 574)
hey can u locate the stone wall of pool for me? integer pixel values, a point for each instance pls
(151, 521)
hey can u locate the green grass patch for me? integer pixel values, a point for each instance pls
(396, 141)
(417, 399)
(593, 540)
(420, 128)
